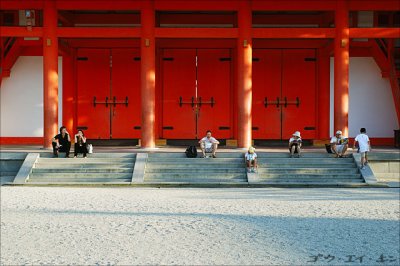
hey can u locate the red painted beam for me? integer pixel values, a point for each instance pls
(273, 5)
(97, 32)
(20, 32)
(381, 5)
(375, 33)
(203, 5)
(294, 33)
(196, 33)
(98, 5)
(21, 4)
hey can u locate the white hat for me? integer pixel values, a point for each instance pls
(338, 132)
(296, 134)
(251, 149)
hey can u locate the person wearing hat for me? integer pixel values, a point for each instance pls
(251, 160)
(295, 144)
(339, 144)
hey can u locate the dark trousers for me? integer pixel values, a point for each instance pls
(80, 149)
(296, 148)
(64, 148)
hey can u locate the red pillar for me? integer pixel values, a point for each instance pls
(148, 62)
(341, 70)
(244, 49)
(50, 72)
(323, 93)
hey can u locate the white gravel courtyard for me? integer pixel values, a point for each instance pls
(194, 226)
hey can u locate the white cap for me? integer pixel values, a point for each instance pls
(296, 134)
(338, 132)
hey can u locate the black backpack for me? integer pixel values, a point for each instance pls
(191, 152)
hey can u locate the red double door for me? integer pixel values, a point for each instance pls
(196, 93)
(284, 93)
(108, 93)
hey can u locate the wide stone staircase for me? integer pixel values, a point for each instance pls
(175, 168)
(98, 168)
(275, 168)
(309, 169)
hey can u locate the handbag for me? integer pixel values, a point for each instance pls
(90, 148)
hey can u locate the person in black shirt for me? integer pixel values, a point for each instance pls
(80, 144)
(62, 142)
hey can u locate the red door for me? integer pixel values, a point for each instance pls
(298, 93)
(108, 82)
(125, 94)
(179, 91)
(284, 85)
(214, 92)
(267, 74)
(93, 84)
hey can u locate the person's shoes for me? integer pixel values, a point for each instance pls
(74, 156)
(291, 155)
(362, 167)
(203, 156)
(248, 170)
(365, 163)
(55, 155)
(85, 157)
(214, 156)
(66, 156)
(252, 170)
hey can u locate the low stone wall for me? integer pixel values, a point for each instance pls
(10, 163)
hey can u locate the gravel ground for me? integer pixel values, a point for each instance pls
(130, 226)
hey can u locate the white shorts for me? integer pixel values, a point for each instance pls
(339, 148)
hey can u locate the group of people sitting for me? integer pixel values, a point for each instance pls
(338, 146)
(62, 143)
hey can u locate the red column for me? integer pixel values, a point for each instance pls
(50, 72)
(341, 70)
(244, 50)
(148, 62)
(323, 101)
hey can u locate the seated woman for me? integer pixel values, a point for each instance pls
(251, 160)
(80, 144)
(295, 144)
(61, 142)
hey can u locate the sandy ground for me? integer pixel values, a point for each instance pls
(130, 226)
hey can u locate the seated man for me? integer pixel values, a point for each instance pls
(209, 144)
(339, 144)
(62, 142)
(251, 160)
(295, 144)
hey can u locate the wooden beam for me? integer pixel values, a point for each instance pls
(293, 33)
(374, 33)
(99, 5)
(20, 32)
(21, 4)
(196, 33)
(381, 5)
(202, 5)
(97, 32)
(307, 5)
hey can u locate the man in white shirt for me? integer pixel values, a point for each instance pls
(295, 144)
(339, 144)
(209, 144)
(364, 146)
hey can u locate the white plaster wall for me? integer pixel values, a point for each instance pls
(21, 98)
(371, 102)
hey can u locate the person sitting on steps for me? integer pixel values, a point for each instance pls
(62, 142)
(251, 160)
(295, 144)
(209, 144)
(80, 144)
(339, 144)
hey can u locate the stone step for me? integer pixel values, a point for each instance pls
(196, 160)
(82, 170)
(289, 171)
(80, 180)
(80, 175)
(195, 170)
(241, 154)
(309, 176)
(192, 180)
(85, 160)
(304, 165)
(93, 155)
(86, 165)
(306, 160)
(194, 167)
(334, 183)
(203, 176)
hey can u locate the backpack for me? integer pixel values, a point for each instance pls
(328, 148)
(191, 152)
